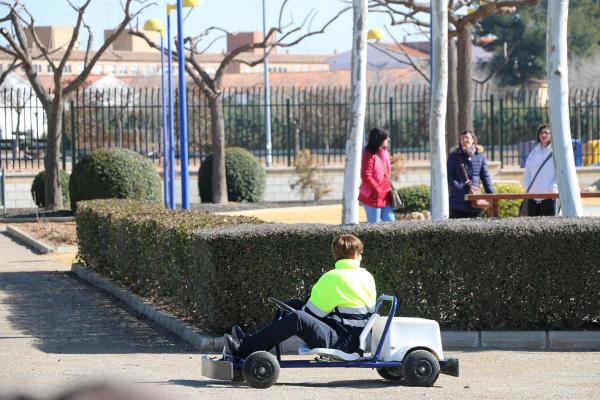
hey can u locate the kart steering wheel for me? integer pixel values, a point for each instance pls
(280, 304)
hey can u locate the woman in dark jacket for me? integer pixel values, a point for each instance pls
(473, 158)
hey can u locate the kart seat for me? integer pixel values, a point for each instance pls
(338, 355)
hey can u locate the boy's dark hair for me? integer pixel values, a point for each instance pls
(346, 246)
(376, 138)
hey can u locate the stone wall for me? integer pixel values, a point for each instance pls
(18, 184)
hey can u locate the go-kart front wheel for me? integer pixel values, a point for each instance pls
(420, 368)
(261, 369)
(390, 374)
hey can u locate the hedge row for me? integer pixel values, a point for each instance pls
(533, 273)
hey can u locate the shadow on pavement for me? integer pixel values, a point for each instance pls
(64, 315)
(353, 383)
(206, 384)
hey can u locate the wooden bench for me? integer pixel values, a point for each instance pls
(494, 198)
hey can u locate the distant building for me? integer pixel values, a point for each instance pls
(131, 56)
(383, 56)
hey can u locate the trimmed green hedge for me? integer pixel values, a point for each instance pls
(524, 274)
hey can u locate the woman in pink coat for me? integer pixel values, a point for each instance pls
(375, 193)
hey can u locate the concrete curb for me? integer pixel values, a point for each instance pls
(15, 220)
(451, 340)
(36, 244)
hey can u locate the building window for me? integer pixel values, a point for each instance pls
(97, 69)
(37, 67)
(123, 70)
(109, 69)
(68, 69)
(49, 68)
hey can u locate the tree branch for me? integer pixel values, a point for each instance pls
(14, 65)
(505, 61)
(127, 18)
(74, 37)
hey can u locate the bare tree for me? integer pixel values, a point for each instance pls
(460, 26)
(288, 35)
(21, 21)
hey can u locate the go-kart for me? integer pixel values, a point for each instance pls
(401, 348)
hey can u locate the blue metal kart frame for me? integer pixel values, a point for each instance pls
(373, 361)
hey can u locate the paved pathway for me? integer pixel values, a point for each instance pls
(56, 332)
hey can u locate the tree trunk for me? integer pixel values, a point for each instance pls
(437, 116)
(452, 104)
(464, 78)
(217, 130)
(558, 88)
(53, 193)
(354, 140)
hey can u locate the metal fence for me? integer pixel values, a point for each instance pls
(301, 118)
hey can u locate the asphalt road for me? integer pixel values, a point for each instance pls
(56, 332)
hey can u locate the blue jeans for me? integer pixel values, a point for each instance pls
(379, 214)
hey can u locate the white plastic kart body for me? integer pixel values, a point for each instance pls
(406, 334)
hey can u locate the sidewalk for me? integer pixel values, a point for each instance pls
(55, 330)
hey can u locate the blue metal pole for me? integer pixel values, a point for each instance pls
(267, 96)
(183, 134)
(171, 120)
(164, 124)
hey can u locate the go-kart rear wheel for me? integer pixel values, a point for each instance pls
(261, 369)
(420, 368)
(390, 374)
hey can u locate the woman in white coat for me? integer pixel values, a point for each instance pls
(540, 176)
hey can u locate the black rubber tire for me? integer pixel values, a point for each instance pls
(420, 368)
(261, 370)
(390, 374)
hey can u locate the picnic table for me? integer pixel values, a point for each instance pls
(496, 197)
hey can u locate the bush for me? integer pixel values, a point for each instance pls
(150, 249)
(244, 175)
(114, 173)
(38, 190)
(508, 208)
(468, 275)
(415, 198)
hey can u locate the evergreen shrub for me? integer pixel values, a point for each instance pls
(244, 175)
(114, 173)
(38, 189)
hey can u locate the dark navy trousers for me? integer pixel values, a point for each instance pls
(314, 331)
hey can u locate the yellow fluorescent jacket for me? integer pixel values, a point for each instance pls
(346, 292)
